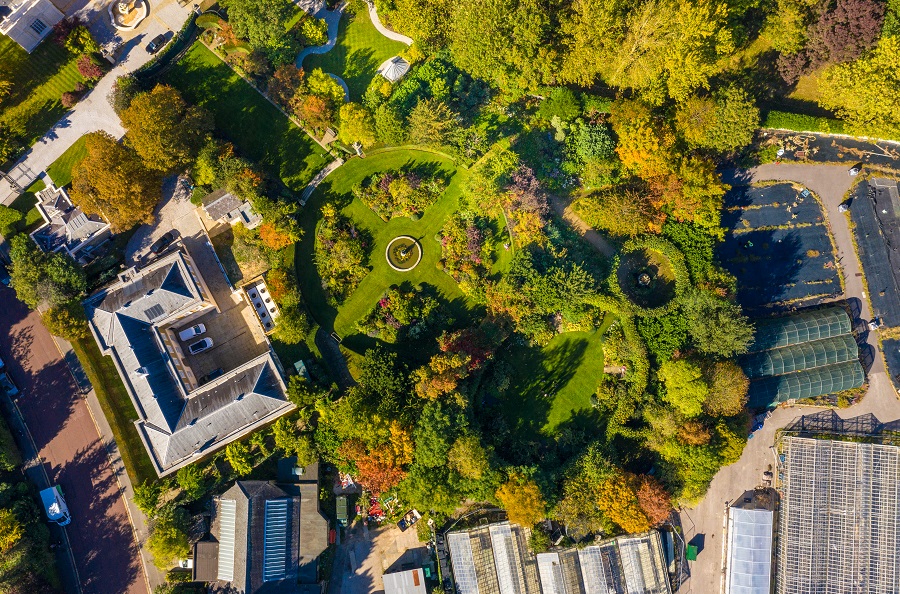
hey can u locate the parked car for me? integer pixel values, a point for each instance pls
(55, 506)
(211, 376)
(4, 275)
(200, 346)
(7, 384)
(156, 44)
(163, 242)
(189, 333)
(409, 519)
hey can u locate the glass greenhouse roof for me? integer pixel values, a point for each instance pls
(800, 327)
(810, 383)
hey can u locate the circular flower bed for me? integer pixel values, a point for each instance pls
(403, 253)
(649, 275)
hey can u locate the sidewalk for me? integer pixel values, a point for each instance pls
(137, 518)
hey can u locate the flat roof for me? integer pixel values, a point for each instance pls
(405, 582)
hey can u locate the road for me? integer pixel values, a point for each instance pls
(73, 453)
(704, 523)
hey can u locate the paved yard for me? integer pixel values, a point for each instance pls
(365, 555)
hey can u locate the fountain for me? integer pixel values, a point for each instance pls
(125, 15)
(403, 253)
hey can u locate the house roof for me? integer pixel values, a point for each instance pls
(65, 225)
(206, 561)
(175, 423)
(268, 537)
(219, 203)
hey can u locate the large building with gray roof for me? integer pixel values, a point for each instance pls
(184, 412)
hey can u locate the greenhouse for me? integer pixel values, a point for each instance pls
(803, 355)
(810, 383)
(801, 327)
(798, 357)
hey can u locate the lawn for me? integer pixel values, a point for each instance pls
(39, 80)
(118, 409)
(244, 117)
(553, 385)
(61, 169)
(359, 51)
(25, 204)
(337, 188)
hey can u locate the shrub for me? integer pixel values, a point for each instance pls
(340, 254)
(408, 312)
(802, 123)
(68, 99)
(88, 68)
(395, 194)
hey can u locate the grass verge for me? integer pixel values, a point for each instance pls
(118, 409)
(60, 171)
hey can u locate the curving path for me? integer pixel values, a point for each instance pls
(333, 18)
(373, 14)
(344, 86)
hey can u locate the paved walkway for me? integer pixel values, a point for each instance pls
(72, 452)
(706, 521)
(333, 18)
(373, 14)
(563, 209)
(94, 113)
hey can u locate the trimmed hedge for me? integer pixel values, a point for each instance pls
(679, 269)
(802, 123)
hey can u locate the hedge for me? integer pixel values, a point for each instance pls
(679, 269)
(802, 123)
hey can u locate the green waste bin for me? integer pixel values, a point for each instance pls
(692, 552)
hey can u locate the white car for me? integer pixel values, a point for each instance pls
(189, 333)
(200, 346)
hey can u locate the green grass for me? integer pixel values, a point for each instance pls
(39, 79)
(60, 171)
(337, 187)
(243, 116)
(553, 385)
(25, 204)
(359, 51)
(117, 408)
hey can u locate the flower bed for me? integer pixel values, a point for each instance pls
(401, 315)
(341, 251)
(466, 244)
(393, 194)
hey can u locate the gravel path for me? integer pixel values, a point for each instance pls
(373, 14)
(333, 18)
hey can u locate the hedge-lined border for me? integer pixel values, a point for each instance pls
(679, 269)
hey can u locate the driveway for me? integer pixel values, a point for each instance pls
(365, 555)
(705, 523)
(73, 453)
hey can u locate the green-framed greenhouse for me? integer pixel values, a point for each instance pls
(803, 355)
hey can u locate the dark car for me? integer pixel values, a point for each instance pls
(156, 44)
(210, 376)
(4, 275)
(7, 385)
(163, 242)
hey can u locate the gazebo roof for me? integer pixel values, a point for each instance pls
(394, 69)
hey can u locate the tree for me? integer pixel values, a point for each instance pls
(146, 497)
(112, 181)
(68, 99)
(617, 499)
(67, 321)
(468, 457)
(163, 130)
(292, 442)
(88, 68)
(238, 456)
(302, 392)
(620, 210)
(592, 32)
(654, 500)
(11, 530)
(125, 89)
(284, 86)
(728, 386)
(844, 33)
(168, 540)
(432, 122)
(389, 125)
(699, 196)
(191, 480)
(263, 24)
(725, 123)
(562, 103)
(686, 387)
(854, 91)
(356, 125)
(9, 217)
(424, 20)
(315, 112)
(717, 325)
(320, 84)
(434, 435)
(645, 142)
(43, 279)
(522, 500)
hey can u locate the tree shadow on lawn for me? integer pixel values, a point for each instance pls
(360, 67)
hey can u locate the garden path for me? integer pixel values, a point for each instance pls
(333, 19)
(563, 209)
(373, 14)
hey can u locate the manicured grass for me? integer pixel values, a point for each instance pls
(39, 80)
(25, 204)
(60, 171)
(337, 188)
(243, 116)
(117, 408)
(552, 385)
(359, 51)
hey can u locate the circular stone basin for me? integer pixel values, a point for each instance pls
(403, 253)
(646, 277)
(127, 14)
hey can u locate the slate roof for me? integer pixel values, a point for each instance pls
(66, 226)
(176, 424)
(250, 499)
(219, 203)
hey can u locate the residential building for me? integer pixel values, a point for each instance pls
(198, 367)
(262, 537)
(224, 207)
(28, 22)
(67, 228)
